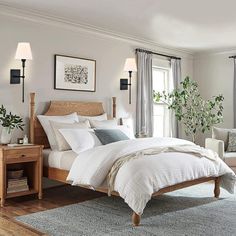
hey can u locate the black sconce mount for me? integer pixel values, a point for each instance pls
(15, 76)
(124, 85)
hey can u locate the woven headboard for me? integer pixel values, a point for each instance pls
(60, 108)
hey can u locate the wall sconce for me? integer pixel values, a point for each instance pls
(130, 66)
(23, 53)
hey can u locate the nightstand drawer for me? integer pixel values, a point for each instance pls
(21, 153)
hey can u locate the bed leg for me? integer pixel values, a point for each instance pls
(136, 219)
(217, 187)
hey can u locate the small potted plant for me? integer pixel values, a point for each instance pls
(9, 122)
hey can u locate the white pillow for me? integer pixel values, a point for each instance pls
(103, 124)
(45, 122)
(112, 124)
(61, 143)
(80, 139)
(101, 117)
(127, 131)
(128, 122)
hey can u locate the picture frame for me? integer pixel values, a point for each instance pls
(74, 73)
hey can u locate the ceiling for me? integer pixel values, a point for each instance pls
(185, 24)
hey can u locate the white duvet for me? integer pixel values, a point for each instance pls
(139, 178)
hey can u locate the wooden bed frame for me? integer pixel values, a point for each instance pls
(38, 136)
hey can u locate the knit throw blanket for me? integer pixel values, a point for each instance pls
(195, 150)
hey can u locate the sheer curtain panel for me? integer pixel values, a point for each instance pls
(176, 79)
(234, 102)
(144, 106)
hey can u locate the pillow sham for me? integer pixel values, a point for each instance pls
(61, 143)
(232, 142)
(80, 139)
(103, 123)
(128, 122)
(127, 131)
(45, 122)
(112, 124)
(107, 136)
(101, 117)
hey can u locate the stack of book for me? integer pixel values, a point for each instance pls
(17, 185)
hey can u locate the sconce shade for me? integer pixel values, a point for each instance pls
(130, 65)
(23, 51)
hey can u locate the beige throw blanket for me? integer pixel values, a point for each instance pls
(195, 150)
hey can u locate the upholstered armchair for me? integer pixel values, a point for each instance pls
(219, 143)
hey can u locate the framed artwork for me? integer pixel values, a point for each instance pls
(74, 73)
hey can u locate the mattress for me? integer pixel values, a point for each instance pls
(60, 160)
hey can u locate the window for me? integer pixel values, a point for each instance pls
(161, 82)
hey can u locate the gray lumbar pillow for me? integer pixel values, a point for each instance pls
(232, 142)
(107, 136)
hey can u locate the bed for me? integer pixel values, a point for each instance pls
(38, 136)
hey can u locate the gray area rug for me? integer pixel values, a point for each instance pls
(192, 211)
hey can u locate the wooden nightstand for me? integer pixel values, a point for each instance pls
(28, 158)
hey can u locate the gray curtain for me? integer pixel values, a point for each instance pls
(234, 92)
(144, 105)
(176, 77)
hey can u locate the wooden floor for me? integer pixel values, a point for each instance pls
(54, 197)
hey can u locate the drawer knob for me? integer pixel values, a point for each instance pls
(23, 155)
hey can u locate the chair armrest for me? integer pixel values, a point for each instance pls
(216, 146)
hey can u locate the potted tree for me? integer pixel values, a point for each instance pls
(196, 114)
(9, 122)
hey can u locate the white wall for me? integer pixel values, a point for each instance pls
(214, 74)
(47, 40)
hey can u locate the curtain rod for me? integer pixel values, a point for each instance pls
(234, 57)
(159, 54)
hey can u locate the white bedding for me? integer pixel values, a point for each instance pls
(59, 159)
(139, 178)
(46, 153)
